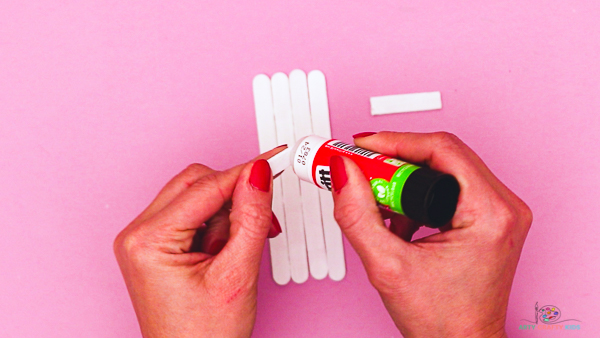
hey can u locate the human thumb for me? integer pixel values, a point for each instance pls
(357, 213)
(251, 216)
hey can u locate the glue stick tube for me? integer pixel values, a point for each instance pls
(420, 193)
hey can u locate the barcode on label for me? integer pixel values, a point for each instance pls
(354, 149)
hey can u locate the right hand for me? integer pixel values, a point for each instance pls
(456, 282)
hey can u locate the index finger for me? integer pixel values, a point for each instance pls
(206, 196)
(440, 151)
(181, 182)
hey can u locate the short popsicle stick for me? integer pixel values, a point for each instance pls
(405, 103)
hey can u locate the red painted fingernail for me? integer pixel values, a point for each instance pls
(338, 173)
(386, 214)
(260, 176)
(216, 246)
(363, 134)
(275, 227)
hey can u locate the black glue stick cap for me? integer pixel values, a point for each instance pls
(430, 197)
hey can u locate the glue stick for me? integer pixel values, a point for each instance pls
(420, 193)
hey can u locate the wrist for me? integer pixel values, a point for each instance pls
(451, 333)
(460, 326)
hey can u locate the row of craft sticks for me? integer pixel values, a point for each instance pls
(288, 109)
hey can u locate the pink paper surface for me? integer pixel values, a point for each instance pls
(101, 102)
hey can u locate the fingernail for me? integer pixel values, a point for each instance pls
(281, 146)
(386, 214)
(216, 246)
(363, 134)
(260, 176)
(338, 173)
(275, 228)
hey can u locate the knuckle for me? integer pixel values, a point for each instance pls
(196, 168)
(193, 172)
(208, 183)
(385, 275)
(132, 244)
(505, 217)
(253, 218)
(348, 215)
(118, 244)
(527, 215)
(189, 176)
(448, 140)
(126, 244)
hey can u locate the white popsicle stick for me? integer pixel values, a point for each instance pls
(311, 207)
(265, 118)
(405, 103)
(267, 140)
(292, 203)
(319, 105)
(319, 108)
(334, 242)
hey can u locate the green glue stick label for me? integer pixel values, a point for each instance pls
(389, 193)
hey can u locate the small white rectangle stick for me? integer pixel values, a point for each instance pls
(267, 140)
(404, 103)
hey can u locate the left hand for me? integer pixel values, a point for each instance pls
(191, 264)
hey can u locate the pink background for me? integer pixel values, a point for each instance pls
(101, 102)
